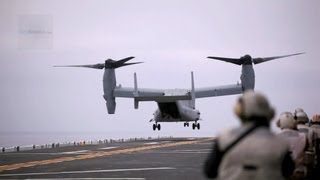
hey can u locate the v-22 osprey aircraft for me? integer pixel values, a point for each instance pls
(174, 105)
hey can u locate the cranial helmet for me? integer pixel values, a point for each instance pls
(286, 121)
(253, 106)
(298, 110)
(315, 118)
(301, 117)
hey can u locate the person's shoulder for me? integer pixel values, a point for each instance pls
(280, 142)
(272, 139)
(288, 132)
(228, 136)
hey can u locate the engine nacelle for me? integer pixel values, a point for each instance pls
(109, 84)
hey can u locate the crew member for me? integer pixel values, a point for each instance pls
(315, 126)
(297, 143)
(303, 127)
(250, 151)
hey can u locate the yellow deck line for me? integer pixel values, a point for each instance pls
(93, 155)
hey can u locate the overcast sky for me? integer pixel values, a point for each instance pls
(172, 37)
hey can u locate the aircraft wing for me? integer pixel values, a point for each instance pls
(218, 91)
(158, 95)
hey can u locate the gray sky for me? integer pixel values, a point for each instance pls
(172, 38)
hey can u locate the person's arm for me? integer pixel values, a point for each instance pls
(212, 163)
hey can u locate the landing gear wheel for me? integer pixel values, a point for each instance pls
(198, 126)
(187, 124)
(159, 127)
(154, 127)
(184, 124)
(193, 126)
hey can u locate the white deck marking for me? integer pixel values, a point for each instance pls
(91, 171)
(93, 178)
(187, 151)
(106, 148)
(75, 152)
(194, 150)
(151, 143)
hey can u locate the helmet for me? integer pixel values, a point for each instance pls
(286, 121)
(315, 118)
(253, 105)
(301, 117)
(298, 110)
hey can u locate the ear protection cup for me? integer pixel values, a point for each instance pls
(278, 123)
(272, 113)
(239, 108)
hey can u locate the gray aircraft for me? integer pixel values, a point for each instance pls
(174, 105)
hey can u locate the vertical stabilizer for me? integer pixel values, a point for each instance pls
(136, 93)
(193, 95)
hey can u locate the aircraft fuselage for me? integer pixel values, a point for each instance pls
(178, 111)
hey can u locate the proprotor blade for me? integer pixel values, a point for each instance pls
(230, 60)
(125, 60)
(127, 64)
(261, 60)
(95, 66)
(121, 63)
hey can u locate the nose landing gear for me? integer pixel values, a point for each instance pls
(186, 124)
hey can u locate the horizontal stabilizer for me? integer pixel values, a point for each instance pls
(157, 95)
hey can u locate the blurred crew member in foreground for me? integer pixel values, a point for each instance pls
(250, 151)
(297, 143)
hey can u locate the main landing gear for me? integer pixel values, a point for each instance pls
(156, 126)
(195, 125)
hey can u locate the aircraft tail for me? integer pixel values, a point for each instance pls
(136, 93)
(193, 95)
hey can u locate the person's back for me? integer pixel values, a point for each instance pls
(302, 120)
(315, 124)
(258, 156)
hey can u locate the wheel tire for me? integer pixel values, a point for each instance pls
(159, 127)
(198, 125)
(154, 127)
(193, 126)
(184, 124)
(187, 124)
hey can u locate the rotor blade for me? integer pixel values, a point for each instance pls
(124, 60)
(95, 66)
(230, 60)
(261, 60)
(127, 64)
